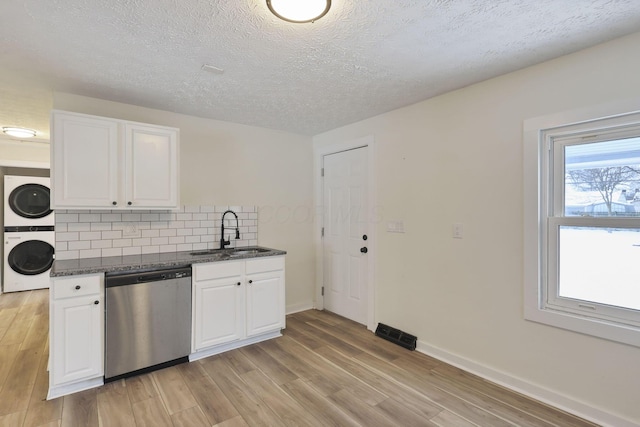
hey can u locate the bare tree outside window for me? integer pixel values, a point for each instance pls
(604, 180)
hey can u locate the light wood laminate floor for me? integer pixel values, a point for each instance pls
(325, 370)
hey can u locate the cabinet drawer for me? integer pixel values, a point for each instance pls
(76, 286)
(260, 265)
(217, 270)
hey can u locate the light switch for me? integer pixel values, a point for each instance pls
(395, 227)
(458, 231)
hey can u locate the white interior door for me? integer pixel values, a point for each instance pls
(345, 228)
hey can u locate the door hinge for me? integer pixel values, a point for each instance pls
(322, 172)
(322, 232)
(322, 291)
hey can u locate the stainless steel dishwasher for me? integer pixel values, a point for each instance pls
(148, 320)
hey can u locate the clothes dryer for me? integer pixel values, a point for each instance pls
(28, 256)
(27, 201)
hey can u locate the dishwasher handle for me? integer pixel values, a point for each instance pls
(152, 278)
(146, 276)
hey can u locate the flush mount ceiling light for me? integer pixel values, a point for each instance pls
(19, 132)
(299, 11)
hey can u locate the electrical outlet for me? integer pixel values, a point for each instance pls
(131, 230)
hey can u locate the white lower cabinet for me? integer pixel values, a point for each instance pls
(76, 334)
(236, 303)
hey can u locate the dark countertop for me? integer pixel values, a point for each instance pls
(74, 267)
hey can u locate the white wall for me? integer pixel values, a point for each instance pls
(457, 158)
(224, 163)
(18, 153)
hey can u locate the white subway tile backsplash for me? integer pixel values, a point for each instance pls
(110, 235)
(111, 217)
(150, 217)
(67, 254)
(90, 235)
(122, 243)
(176, 224)
(79, 244)
(150, 249)
(101, 244)
(67, 217)
(207, 238)
(67, 236)
(150, 233)
(78, 226)
(90, 253)
(199, 231)
(101, 226)
(160, 241)
(100, 233)
(112, 252)
(192, 239)
(89, 217)
(168, 232)
(146, 241)
(134, 250)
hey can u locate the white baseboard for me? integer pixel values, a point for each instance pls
(295, 308)
(65, 389)
(201, 354)
(542, 394)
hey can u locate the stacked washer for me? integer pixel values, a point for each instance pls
(29, 236)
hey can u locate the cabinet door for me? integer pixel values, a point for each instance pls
(77, 339)
(265, 302)
(151, 157)
(84, 161)
(218, 311)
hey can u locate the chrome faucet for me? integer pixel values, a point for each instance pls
(223, 242)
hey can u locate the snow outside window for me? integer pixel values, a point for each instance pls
(588, 228)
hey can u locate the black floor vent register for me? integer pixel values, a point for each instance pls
(396, 336)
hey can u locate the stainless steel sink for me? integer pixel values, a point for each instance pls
(251, 250)
(247, 251)
(207, 252)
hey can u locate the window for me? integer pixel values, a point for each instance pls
(584, 202)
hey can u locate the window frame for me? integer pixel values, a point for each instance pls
(544, 140)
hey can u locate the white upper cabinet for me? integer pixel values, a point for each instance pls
(151, 155)
(98, 162)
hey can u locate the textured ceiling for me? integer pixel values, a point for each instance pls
(363, 58)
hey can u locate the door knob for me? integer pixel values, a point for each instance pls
(364, 250)
(364, 237)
